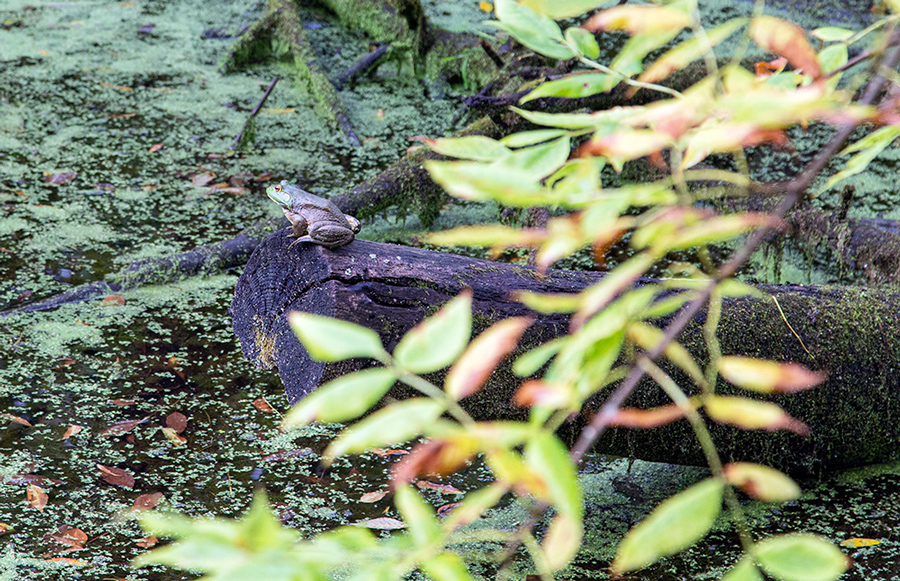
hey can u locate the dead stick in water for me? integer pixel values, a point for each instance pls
(254, 112)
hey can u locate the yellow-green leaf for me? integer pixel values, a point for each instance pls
(688, 51)
(562, 540)
(761, 482)
(744, 570)
(639, 19)
(469, 374)
(392, 425)
(418, 516)
(751, 414)
(342, 399)
(800, 557)
(676, 524)
(437, 341)
(547, 456)
(327, 339)
(574, 86)
(764, 376)
(474, 147)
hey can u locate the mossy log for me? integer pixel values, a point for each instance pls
(850, 332)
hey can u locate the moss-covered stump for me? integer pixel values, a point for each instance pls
(850, 332)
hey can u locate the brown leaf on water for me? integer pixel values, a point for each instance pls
(383, 524)
(64, 362)
(71, 431)
(70, 536)
(172, 436)
(147, 501)
(113, 300)
(445, 508)
(5, 528)
(59, 179)
(262, 405)
(117, 87)
(177, 421)
(373, 496)
(36, 497)
(120, 428)
(442, 488)
(146, 542)
(122, 402)
(155, 147)
(202, 179)
(385, 452)
(66, 560)
(116, 476)
(18, 420)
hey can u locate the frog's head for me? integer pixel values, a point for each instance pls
(279, 195)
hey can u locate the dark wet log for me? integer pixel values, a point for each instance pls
(850, 332)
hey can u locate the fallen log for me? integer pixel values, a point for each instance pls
(850, 332)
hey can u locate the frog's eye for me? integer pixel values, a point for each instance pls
(276, 188)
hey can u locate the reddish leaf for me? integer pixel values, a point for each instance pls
(5, 528)
(121, 427)
(147, 501)
(66, 560)
(433, 457)
(177, 421)
(71, 431)
(122, 402)
(766, 70)
(202, 179)
(472, 370)
(761, 482)
(445, 508)
(373, 496)
(116, 476)
(788, 40)
(18, 420)
(768, 376)
(147, 542)
(36, 496)
(155, 147)
(64, 363)
(112, 300)
(69, 536)
(385, 453)
(442, 488)
(262, 405)
(535, 392)
(59, 178)
(650, 418)
(117, 87)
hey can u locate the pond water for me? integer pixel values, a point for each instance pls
(115, 129)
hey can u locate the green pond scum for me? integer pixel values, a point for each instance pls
(115, 136)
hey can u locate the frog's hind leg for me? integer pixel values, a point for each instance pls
(300, 239)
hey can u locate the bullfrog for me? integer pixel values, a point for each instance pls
(313, 218)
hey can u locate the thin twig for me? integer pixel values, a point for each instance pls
(254, 112)
(361, 66)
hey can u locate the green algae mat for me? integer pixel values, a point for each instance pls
(115, 137)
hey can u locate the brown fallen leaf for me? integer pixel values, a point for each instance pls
(373, 496)
(147, 542)
(67, 561)
(64, 362)
(71, 431)
(117, 87)
(384, 452)
(445, 508)
(172, 436)
(202, 179)
(59, 178)
(177, 421)
(113, 300)
(155, 147)
(147, 501)
(383, 523)
(442, 488)
(5, 528)
(262, 405)
(69, 536)
(122, 402)
(120, 428)
(18, 420)
(116, 476)
(36, 497)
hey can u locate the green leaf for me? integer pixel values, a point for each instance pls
(327, 339)
(394, 424)
(583, 42)
(751, 414)
(528, 363)
(483, 235)
(524, 138)
(676, 524)
(437, 341)
(547, 456)
(474, 147)
(761, 482)
(830, 58)
(342, 399)
(474, 505)
(418, 516)
(559, 10)
(480, 182)
(715, 230)
(630, 58)
(561, 120)
(649, 337)
(446, 567)
(574, 86)
(870, 146)
(534, 30)
(538, 161)
(745, 570)
(562, 540)
(832, 34)
(800, 557)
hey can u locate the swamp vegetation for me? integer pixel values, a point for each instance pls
(116, 130)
